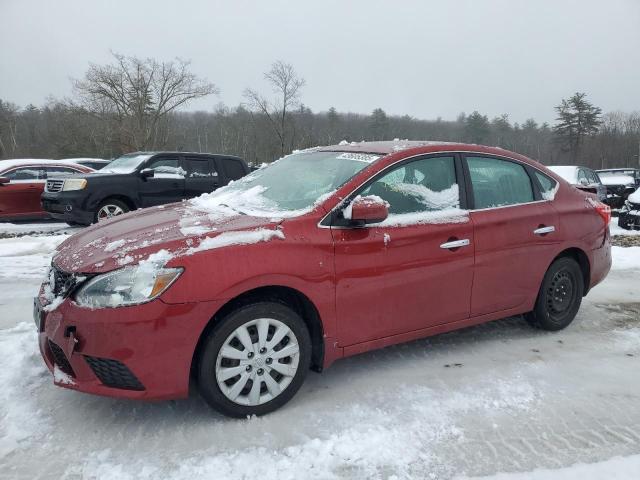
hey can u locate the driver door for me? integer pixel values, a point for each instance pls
(167, 183)
(404, 274)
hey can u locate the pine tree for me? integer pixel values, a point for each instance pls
(379, 124)
(577, 119)
(476, 127)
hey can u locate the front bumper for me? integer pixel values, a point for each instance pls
(139, 352)
(629, 218)
(67, 206)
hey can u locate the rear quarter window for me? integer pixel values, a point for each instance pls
(548, 185)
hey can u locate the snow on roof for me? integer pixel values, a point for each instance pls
(617, 180)
(384, 147)
(567, 172)
(19, 162)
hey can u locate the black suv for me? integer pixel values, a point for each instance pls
(138, 180)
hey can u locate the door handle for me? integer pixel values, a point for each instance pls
(455, 244)
(544, 230)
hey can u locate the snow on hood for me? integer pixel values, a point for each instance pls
(617, 180)
(176, 228)
(635, 197)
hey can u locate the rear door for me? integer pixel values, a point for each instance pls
(21, 196)
(234, 169)
(516, 233)
(167, 183)
(201, 176)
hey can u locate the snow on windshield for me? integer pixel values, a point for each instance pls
(125, 164)
(289, 187)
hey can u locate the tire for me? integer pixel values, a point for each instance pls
(237, 395)
(559, 297)
(623, 221)
(115, 207)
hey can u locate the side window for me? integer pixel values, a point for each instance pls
(425, 185)
(26, 173)
(547, 185)
(233, 168)
(198, 168)
(166, 167)
(582, 177)
(593, 178)
(57, 172)
(497, 183)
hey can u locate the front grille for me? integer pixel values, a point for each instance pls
(113, 373)
(54, 185)
(60, 359)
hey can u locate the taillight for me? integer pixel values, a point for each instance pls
(604, 211)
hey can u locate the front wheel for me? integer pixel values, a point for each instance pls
(255, 360)
(110, 208)
(559, 297)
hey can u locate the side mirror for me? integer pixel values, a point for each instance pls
(365, 210)
(583, 181)
(147, 173)
(4, 180)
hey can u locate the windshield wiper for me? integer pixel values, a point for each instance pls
(234, 209)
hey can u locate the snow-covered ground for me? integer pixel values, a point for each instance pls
(500, 397)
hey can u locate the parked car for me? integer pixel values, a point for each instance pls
(582, 178)
(95, 163)
(22, 182)
(137, 180)
(324, 254)
(629, 216)
(620, 183)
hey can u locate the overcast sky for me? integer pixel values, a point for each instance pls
(427, 59)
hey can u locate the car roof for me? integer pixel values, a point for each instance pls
(417, 147)
(20, 162)
(169, 152)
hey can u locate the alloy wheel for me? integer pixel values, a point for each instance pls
(108, 211)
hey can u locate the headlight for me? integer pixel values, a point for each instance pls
(74, 184)
(127, 286)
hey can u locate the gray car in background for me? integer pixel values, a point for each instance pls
(583, 178)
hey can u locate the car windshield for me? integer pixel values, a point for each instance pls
(125, 163)
(290, 186)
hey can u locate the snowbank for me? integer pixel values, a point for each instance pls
(624, 258)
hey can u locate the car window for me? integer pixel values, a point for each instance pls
(582, 177)
(25, 173)
(547, 185)
(591, 175)
(166, 167)
(198, 167)
(56, 172)
(233, 168)
(424, 185)
(498, 183)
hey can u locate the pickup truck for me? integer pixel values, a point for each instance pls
(138, 180)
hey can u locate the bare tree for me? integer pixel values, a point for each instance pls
(139, 94)
(286, 85)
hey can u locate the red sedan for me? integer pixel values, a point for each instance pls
(22, 182)
(326, 253)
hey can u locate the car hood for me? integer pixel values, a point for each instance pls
(130, 238)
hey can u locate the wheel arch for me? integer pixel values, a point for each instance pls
(291, 297)
(582, 258)
(128, 201)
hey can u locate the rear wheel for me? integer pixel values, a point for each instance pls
(255, 360)
(110, 208)
(559, 297)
